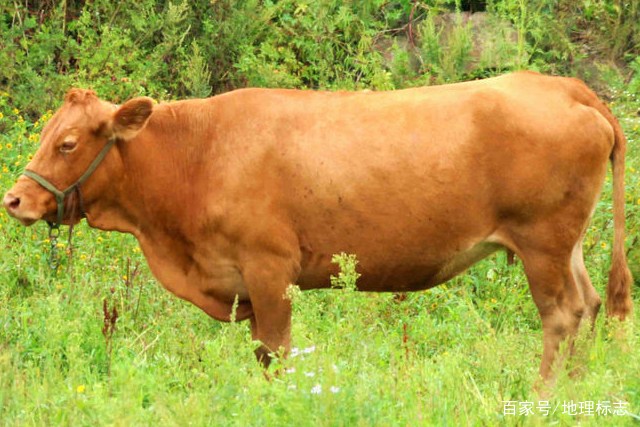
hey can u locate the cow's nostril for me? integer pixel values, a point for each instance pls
(11, 202)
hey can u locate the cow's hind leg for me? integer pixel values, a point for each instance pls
(559, 299)
(591, 298)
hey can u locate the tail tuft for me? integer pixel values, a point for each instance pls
(619, 302)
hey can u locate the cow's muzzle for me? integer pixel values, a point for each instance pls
(14, 206)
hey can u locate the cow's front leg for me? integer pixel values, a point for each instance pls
(279, 342)
(267, 283)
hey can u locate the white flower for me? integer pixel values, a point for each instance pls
(334, 389)
(295, 351)
(309, 374)
(317, 389)
(290, 370)
(309, 349)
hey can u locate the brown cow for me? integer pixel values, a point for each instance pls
(242, 194)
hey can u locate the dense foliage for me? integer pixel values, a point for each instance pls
(174, 49)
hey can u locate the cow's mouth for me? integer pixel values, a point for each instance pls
(27, 221)
(24, 220)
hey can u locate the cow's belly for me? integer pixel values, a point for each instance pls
(400, 274)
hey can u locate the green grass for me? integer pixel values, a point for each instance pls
(449, 356)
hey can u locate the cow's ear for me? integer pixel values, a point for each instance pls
(131, 117)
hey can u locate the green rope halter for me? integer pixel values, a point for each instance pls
(61, 195)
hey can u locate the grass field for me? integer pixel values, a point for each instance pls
(464, 353)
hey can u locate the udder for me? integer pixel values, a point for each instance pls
(463, 260)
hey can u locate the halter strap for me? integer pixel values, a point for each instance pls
(61, 195)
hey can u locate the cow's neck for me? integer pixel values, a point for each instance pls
(162, 181)
(155, 182)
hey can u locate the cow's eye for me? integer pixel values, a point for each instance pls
(68, 146)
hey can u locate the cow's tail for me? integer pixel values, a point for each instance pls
(619, 302)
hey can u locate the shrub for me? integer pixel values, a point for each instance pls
(178, 48)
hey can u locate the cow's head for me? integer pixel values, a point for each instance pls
(80, 132)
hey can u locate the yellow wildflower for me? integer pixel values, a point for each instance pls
(80, 389)
(9, 145)
(603, 245)
(60, 245)
(16, 111)
(5, 169)
(17, 163)
(1, 115)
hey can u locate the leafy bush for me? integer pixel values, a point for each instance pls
(178, 48)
